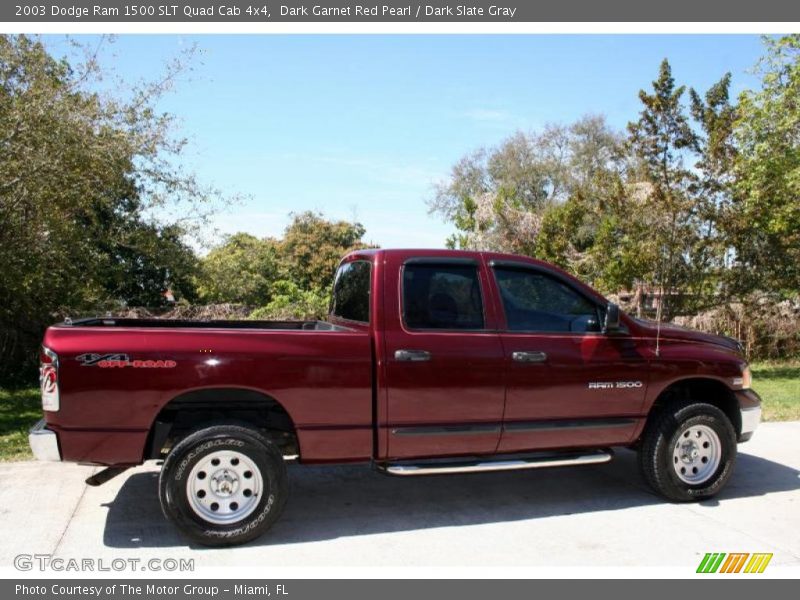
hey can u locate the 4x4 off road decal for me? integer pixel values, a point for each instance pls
(118, 361)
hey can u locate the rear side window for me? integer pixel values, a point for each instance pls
(535, 301)
(351, 288)
(442, 297)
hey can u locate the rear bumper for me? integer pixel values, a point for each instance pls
(110, 447)
(44, 442)
(750, 411)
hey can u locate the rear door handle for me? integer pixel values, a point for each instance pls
(529, 356)
(412, 355)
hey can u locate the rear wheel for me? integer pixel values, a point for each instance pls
(223, 485)
(688, 451)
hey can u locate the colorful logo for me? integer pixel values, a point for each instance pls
(735, 562)
(118, 361)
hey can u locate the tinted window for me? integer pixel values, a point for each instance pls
(534, 301)
(351, 291)
(442, 297)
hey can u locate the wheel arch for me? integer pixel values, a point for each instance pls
(193, 409)
(701, 389)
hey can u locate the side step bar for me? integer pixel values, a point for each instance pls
(509, 463)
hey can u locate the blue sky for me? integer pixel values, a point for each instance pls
(362, 126)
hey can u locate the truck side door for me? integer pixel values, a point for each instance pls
(443, 359)
(568, 384)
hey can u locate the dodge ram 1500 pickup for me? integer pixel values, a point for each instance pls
(430, 362)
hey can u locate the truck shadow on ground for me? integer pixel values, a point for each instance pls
(332, 502)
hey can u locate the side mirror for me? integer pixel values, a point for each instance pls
(612, 319)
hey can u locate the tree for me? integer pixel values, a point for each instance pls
(498, 198)
(601, 237)
(80, 172)
(241, 270)
(142, 263)
(714, 188)
(287, 278)
(312, 247)
(593, 232)
(663, 140)
(763, 220)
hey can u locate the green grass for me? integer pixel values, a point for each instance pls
(778, 384)
(19, 409)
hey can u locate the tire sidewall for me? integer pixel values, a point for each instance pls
(179, 464)
(712, 417)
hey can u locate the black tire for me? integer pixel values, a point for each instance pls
(660, 467)
(174, 484)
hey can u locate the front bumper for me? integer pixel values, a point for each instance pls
(751, 417)
(43, 442)
(750, 411)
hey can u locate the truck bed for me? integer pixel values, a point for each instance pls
(118, 374)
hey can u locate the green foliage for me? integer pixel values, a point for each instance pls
(499, 198)
(287, 278)
(242, 271)
(19, 409)
(290, 301)
(138, 261)
(663, 140)
(764, 217)
(778, 384)
(715, 115)
(561, 231)
(312, 247)
(79, 174)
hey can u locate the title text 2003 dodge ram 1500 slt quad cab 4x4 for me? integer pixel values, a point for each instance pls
(431, 361)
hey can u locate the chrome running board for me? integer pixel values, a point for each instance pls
(534, 461)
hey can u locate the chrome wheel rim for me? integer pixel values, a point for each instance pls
(696, 454)
(224, 487)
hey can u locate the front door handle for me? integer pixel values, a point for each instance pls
(529, 356)
(412, 355)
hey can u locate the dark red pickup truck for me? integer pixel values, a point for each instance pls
(431, 361)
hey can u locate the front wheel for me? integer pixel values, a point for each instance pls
(223, 485)
(688, 451)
